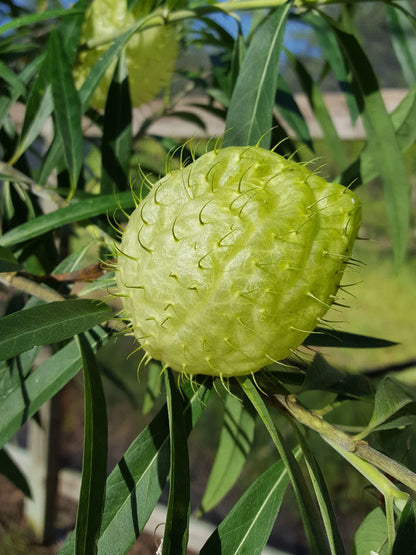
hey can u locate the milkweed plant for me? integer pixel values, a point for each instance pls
(221, 259)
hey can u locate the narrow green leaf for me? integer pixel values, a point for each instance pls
(14, 372)
(332, 53)
(371, 536)
(322, 495)
(289, 110)
(12, 472)
(236, 438)
(307, 508)
(55, 153)
(317, 102)
(117, 133)
(75, 212)
(389, 399)
(6, 102)
(38, 108)
(15, 83)
(250, 112)
(53, 160)
(381, 137)
(73, 261)
(406, 530)
(67, 107)
(70, 29)
(94, 461)
(48, 323)
(404, 40)
(403, 117)
(248, 525)
(50, 376)
(136, 483)
(176, 534)
(237, 57)
(8, 262)
(34, 18)
(152, 391)
(333, 338)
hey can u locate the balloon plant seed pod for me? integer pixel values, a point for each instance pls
(150, 54)
(230, 262)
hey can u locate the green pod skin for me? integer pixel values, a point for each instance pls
(150, 54)
(229, 263)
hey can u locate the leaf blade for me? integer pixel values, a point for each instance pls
(307, 509)
(250, 112)
(381, 137)
(237, 434)
(248, 525)
(94, 461)
(82, 210)
(67, 107)
(41, 385)
(175, 537)
(48, 323)
(117, 133)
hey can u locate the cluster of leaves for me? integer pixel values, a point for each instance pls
(247, 90)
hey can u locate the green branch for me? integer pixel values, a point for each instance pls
(356, 451)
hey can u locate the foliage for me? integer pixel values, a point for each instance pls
(53, 188)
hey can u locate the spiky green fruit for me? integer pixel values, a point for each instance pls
(150, 54)
(229, 263)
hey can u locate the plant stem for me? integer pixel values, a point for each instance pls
(347, 445)
(32, 288)
(162, 17)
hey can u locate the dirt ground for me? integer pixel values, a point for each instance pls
(16, 537)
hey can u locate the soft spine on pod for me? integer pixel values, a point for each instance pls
(230, 262)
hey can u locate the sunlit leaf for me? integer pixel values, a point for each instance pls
(320, 110)
(371, 536)
(403, 117)
(404, 40)
(67, 107)
(307, 508)
(381, 137)
(248, 525)
(78, 211)
(322, 495)
(389, 399)
(48, 323)
(251, 108)
(136, 483)
(332, 53)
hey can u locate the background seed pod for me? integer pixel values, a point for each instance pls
(230, 262)
(150, 54)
